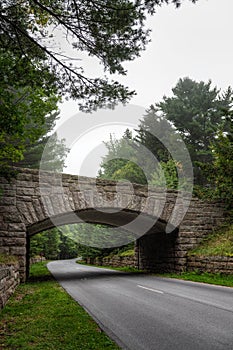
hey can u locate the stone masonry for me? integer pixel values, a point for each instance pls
(211, 264)
(33, 202)
(9, 280)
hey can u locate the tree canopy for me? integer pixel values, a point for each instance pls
(202, 116)
(47, 152)
(220, 171)
(113, 32)
(197, 111)
(28, 108)
(122, 161)
(25, 101)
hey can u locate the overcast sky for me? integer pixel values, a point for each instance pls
(194, 41)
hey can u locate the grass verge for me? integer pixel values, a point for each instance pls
(205, 277)
(41, 315)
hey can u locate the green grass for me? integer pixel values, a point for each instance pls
(219, 243)
(205, 277)
(129, 252)
(41, 315)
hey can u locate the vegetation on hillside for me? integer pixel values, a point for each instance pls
(219, 243)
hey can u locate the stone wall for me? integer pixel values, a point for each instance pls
(36, 259)
(9, 280)
(212, 264)
(115, 261)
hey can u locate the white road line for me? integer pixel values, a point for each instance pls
(152, 290)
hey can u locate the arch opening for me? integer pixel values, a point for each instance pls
(124, 218)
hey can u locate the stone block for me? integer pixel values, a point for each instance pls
(17, 250)
(4, 250)
(17, 227)
(25, 184)
(9, 193)
(38, 208)
(24, 176)
(7, 201)
(21, 191)
(12, 217)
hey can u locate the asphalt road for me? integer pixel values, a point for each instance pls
(142, 312)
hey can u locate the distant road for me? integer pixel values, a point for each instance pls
(143, 312)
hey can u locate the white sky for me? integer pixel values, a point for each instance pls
(194, 41)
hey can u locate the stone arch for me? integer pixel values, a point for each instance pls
(22, 209)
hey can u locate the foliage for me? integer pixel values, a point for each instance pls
(221, 170)
(113, 33)
(130, 172)
(85, 240)
(129, 252)
(88, 252)
(119, 153)
(145, 158)
(97, 241)
(196, 110)
(68, 248)
(56, 321)
(47, 152)
(24, 105)
(218, 243)
(35, 73)
(28, 107)
(123, 160)
(46, 244)
(155, 124)
(203, 117)
(167, 176)
(55, 244)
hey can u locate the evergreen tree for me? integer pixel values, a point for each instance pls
(120, 152)
(196, 110)
(220, 172)
(154, 134)
(25, 102)
(47, 153)
(113, 32)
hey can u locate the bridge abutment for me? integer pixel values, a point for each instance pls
(12, 228)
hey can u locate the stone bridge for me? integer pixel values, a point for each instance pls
(165, 224)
